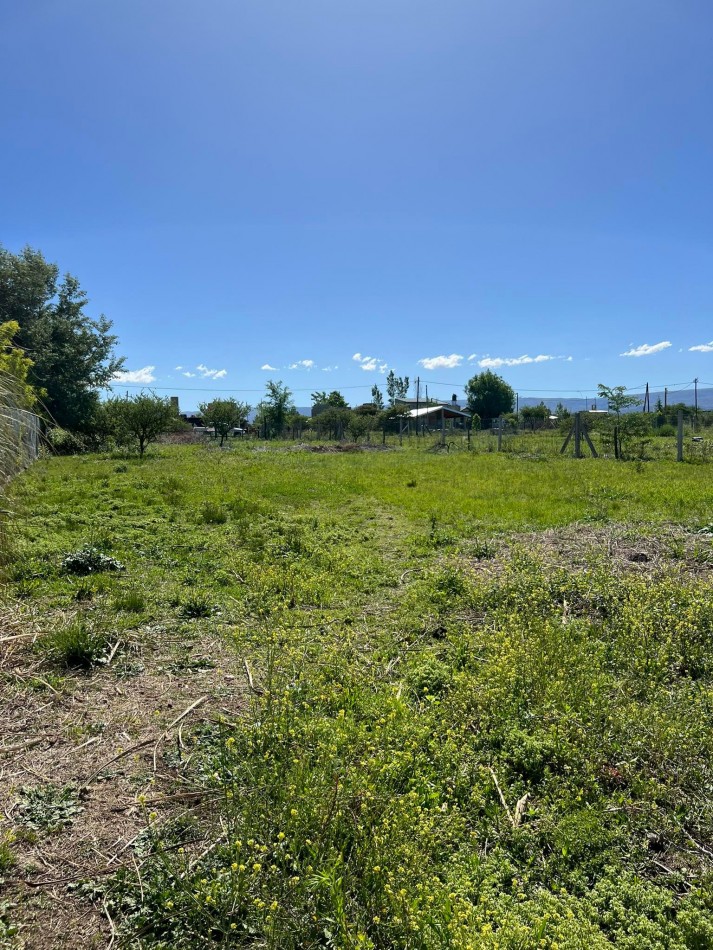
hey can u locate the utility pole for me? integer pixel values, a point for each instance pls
(647, 403)
(418, 396)
(695, 402)
(665, 397)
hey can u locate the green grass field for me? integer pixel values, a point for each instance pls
(476, 702)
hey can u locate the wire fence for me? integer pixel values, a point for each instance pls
(19, 438)
(648, 441)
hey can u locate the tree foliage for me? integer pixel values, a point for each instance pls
(377, 398)
(396, 387)
(535, 416)
(616, 398)
(621, 430)
(334, 400)
(72, 353)
(489, 396)
(139, 420)
(277, 405)
(15, 367)
(224, 415)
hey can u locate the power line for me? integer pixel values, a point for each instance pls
(583, 393)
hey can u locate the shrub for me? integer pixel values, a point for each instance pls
(89, 560)
(62, 442)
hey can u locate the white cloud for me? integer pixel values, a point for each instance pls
(189, 374)
(701, 348)
(210, 373)
(370, 364)
(178, 367)
(143, 375)
(472, 357)
(302, 364)
(647, 349)
(329, 369)
(494, 362)
(272, 369)
(442, 362)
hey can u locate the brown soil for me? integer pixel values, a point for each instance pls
(621, 547)
(115, 734)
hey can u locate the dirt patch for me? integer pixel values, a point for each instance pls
(117, 739)
(621, 547)
(342, 447)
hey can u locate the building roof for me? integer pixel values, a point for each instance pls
(448, 411)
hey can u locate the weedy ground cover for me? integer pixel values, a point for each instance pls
(477, 692)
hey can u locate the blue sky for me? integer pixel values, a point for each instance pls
(430, 186)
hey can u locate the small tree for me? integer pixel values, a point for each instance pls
(617, 401)
(224, 415)
(489, 396)
(275, 408)
(141, 419)
(376, 398)
(388, 418)
(535, 416)
(359, 425)
(396, 387)
(332, 421)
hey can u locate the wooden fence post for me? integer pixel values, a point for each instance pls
(679, 437)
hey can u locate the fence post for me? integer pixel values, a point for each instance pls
(500, 434)
(679, 437)
(577, 436)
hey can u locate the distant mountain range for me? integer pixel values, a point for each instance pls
(686, 396)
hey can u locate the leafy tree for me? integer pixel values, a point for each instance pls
(332, 421)
(334, 400)
(224, 415)
(139, 420)
(388, 419)
(617, 398)
(535, 416)
(367, 409)
(618, 401)
(376, 398)
(562, 412)
(297, 422)
(15, 368)
(275, 408)
(72, 354)
(359, 425)
(396, 387)
(489, 396)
